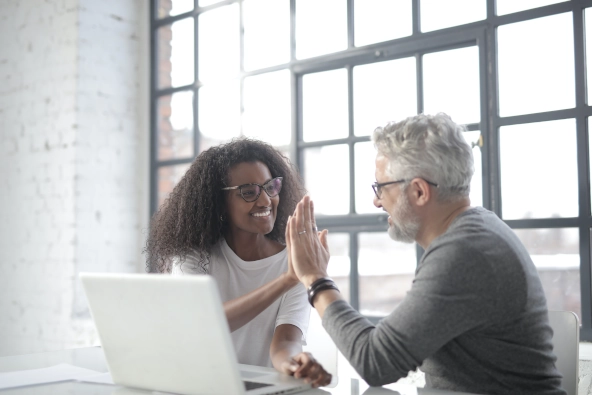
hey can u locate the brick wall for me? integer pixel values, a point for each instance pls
(73, 161)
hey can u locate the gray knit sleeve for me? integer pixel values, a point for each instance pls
(444, 302)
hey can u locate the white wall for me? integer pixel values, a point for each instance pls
(73, 161)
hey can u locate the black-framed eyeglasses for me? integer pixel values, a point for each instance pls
(378, 186)
(251, 192)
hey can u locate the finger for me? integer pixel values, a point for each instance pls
(316, 374)
(314, 371)
(289, 367)
(322, 380)
(308, 220)
(312, 374)
(323, 238)
(306, 361)
(299, 360)
(313, 220)
(288, 241)
(291, 228)
(298, 219)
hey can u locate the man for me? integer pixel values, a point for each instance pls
(475, 319)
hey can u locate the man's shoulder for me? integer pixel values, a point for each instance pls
(474, 227)
(478, 240)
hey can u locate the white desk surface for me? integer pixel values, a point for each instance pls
(93, 358)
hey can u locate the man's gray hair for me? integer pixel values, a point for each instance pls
(431, 147)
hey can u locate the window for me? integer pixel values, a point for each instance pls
(316, 78)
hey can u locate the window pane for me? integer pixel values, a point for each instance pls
(590, 151)
(267, 111)
(168, 178)
(219, 43)
(267, 32)
(365, 156)
(536, 65)
(394, 17)
(374, 102)
(438, 14)
(321, 27)
(339, 263)
(219, 113)
(324, 102)
(476, 194)
(451, 84)
(386, 269)
(175, 126)
(173, 7)
(588, 40)
(205, 3)
(510, 6)
(556, 255)
(539, 174)
(326, 176)
(175, 54)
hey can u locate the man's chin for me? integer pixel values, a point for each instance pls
(398, 235)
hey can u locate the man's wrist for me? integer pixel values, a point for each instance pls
(308, 279)
(319, 286)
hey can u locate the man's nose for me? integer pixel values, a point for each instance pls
(376, 201)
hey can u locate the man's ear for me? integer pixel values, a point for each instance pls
(421, 191)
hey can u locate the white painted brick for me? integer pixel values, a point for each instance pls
(71, 73)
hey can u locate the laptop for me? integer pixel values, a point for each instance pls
(169, 333)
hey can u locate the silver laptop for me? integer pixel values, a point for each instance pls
(169, 333)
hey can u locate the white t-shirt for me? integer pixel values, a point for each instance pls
(236, 278)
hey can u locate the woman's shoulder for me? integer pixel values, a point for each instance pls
(194, 262)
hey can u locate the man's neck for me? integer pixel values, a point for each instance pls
(438, 218)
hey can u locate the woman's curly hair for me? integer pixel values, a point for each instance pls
(189, 220)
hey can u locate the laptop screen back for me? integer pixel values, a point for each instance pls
(164, 333)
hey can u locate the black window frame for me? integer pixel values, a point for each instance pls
(481, 34)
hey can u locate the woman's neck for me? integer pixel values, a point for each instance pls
(252, 246)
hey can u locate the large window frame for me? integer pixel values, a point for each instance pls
(481, 34)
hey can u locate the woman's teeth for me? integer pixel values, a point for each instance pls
(263, 214)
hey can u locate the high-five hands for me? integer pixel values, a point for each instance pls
(308, 252)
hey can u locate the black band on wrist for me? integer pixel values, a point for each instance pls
(322, 284)
(319, 281)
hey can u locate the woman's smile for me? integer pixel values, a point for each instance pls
(262, 213)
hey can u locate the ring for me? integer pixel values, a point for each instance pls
(315, 229)
(300, 233)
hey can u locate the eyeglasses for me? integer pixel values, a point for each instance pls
(251, 192)
(378, 187)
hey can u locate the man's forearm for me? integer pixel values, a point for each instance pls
(324, 298)
(375, 353)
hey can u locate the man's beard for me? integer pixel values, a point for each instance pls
(404, 227)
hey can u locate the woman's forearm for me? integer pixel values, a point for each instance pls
(285, 352)
(243, 309)
(286, 343)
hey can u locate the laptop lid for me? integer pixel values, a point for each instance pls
(168, 333)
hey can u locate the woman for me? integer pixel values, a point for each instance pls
(227, 218)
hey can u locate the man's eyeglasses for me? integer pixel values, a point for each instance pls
(251, 192)
(378, 186)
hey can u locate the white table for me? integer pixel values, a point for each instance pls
(92, 358)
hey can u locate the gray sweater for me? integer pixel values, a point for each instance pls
(475, 319)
